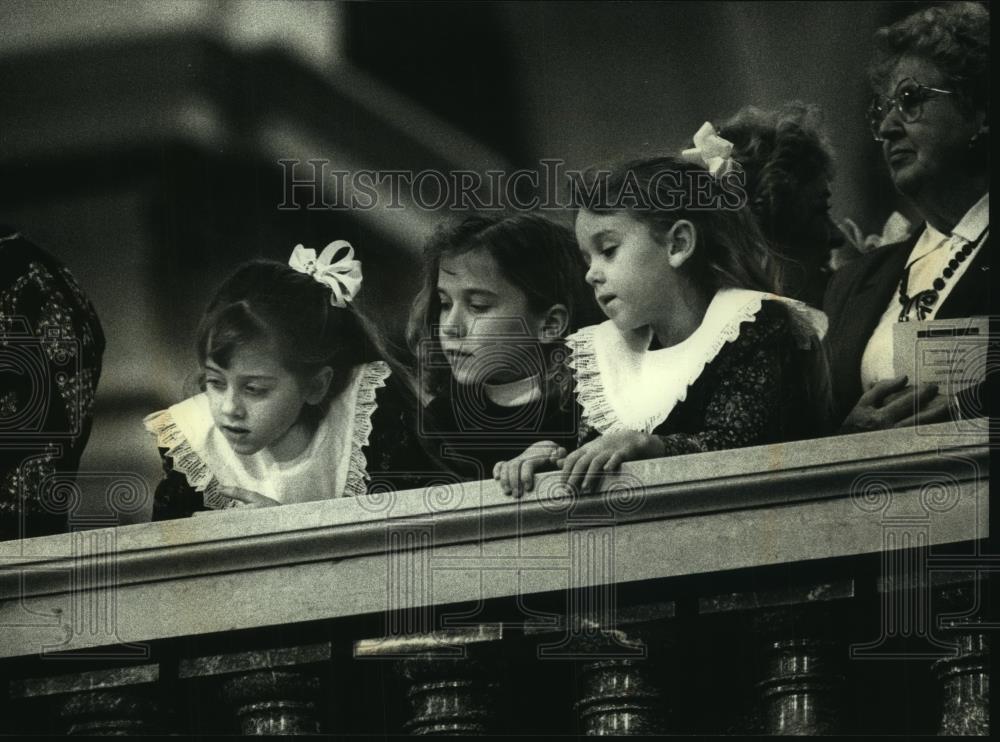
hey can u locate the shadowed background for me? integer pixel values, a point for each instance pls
(140, 141)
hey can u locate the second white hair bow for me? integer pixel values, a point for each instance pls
(712, 151)
(342, 276)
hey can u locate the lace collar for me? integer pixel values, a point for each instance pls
(332, 465)
(622, 385)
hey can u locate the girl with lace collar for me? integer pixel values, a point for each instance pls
(290, 372)
(698, 352)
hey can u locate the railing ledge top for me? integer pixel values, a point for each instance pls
(674, 487)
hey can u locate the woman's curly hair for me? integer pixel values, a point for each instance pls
(955, 38)
(781, 150)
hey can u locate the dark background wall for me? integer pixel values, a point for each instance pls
(140, 142)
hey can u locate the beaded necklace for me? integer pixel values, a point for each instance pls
(923, 301)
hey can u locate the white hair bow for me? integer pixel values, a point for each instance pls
(712, 151)
(341, 276)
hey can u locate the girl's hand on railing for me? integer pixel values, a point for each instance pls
(585, 466)
(248, 498)
(517, 476)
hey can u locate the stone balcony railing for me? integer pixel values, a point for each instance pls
(818, 586)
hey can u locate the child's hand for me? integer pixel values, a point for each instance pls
(517, 476)
(248, 498)
(585, 465)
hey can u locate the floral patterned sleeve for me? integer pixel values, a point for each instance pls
(743, 392)
(53, 343)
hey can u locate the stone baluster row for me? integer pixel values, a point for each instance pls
(453, 681)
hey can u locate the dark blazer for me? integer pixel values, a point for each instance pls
(857, 296)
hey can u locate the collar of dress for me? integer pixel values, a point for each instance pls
(333, 464)
(515, 393)
(622, 385)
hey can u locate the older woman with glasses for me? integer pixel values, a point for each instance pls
(930, 74)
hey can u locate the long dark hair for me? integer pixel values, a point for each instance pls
(536, 255)
(660, 191)
(268, 299)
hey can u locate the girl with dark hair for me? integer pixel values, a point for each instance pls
(499, 296)
(294, 378)
(697, 353)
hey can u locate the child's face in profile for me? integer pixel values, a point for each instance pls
(256, 402)
(485, 321)
(627, 267)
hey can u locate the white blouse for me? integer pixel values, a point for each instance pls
(926, 262)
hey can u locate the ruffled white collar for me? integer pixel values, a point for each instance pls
(332, 465)
(622, 385)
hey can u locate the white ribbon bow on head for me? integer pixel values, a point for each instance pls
(341, 276)
(712, 151)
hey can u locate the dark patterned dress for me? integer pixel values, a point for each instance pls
(756, 391)
(51, 345)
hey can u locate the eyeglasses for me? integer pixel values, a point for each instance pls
(908, 100)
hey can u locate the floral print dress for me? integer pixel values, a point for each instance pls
(51, 346)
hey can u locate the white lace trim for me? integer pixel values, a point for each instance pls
(373, 378)
(590, 350)
(596, 411)
(186, 460)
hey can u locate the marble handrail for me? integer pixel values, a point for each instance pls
(662, 518)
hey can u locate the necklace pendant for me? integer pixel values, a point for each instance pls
(925, 301)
